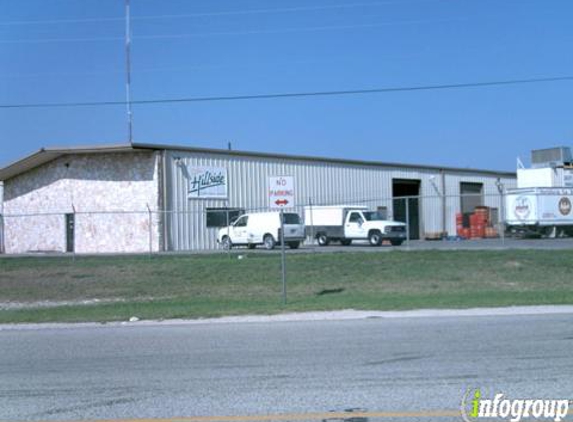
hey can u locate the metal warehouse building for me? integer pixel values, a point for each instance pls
(143, 197)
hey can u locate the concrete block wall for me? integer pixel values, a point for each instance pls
(108, 193)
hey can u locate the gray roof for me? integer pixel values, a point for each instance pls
(45, 155)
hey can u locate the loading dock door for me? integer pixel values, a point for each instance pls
(407, 188)
(471, 196)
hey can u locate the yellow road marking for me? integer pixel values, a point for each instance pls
(292, 417)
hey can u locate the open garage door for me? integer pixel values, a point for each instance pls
(407, 188)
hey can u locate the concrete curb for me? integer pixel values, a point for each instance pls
(344, 315)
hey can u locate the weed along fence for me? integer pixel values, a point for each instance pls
(151, 231)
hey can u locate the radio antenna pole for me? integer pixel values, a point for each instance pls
(128, 71)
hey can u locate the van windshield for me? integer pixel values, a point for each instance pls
(373, 216)
(291, 218)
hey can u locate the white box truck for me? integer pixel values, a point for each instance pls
(346, 223)
(543, 211)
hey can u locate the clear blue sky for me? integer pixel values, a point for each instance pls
(72, 51)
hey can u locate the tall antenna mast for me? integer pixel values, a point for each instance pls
(128, 71)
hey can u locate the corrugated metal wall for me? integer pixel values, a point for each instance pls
(321, 183)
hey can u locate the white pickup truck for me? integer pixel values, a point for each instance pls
(346, 223)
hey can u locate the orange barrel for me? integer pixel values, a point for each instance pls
(483, 213)
(490, 232)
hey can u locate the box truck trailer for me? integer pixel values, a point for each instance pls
(542, 211)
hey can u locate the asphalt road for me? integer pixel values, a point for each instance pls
(416, 368)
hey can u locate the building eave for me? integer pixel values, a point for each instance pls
(45, 155)
(368, 163)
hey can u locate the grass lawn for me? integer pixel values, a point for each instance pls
(176, 286)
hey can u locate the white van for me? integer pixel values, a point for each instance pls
(262, 229)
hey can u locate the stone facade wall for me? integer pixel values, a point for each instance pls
(108, 195)
(1, 218)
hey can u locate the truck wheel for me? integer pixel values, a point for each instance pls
(323, 239)
(550, 232)
(293, 245)
(375, 238)
(346, 242)
(226, 242)
(396, 242)
(269, 242)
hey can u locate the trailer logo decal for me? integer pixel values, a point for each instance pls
(564, 206)
(522, 207)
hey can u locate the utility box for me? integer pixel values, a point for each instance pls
(551, 157)
(536, 178)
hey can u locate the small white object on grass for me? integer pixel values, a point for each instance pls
(133, 319)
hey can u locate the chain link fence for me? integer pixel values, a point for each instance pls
(426, 218)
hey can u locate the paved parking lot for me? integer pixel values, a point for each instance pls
(479, 244)
(363, 246)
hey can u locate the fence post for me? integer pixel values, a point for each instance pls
(502, 219)
(407, 199)
(283, 260)
(500, 187)
(311, 222)
(2, 247)
(228, 234)
(150, 219)
(73, 233)
(444, 207)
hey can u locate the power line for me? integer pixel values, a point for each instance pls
(186, 68)
(299, 29)
(295, 94)
(55, 40)
(244, 32)
(212, 14)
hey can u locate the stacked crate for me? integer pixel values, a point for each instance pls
(480, 225)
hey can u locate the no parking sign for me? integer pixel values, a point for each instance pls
(281, 192)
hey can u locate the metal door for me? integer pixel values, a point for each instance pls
(70, 232)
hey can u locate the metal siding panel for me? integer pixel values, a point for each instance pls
(323, 183)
